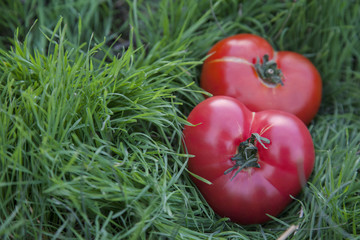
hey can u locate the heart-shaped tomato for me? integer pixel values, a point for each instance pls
(254, 161)
(246, 67)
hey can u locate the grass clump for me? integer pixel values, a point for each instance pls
(88, 148)
(90, 143)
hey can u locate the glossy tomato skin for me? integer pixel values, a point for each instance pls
(230, 70)
(221, 124)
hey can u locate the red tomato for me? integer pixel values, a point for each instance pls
(287, 81)
(283, 152)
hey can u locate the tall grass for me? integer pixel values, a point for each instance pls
(90, 137)
(98, 18)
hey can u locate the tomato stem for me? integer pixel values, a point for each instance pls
(246, 155)
(268, 71)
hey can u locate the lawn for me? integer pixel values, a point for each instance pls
(94, 96)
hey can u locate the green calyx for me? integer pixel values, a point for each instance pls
(269, 72)
(246, 156)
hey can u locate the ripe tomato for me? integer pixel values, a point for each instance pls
(246, 67)
(277, 145)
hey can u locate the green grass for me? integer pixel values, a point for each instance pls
(92, 108)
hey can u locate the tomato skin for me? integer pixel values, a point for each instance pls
(221, 124)
(230, 70)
